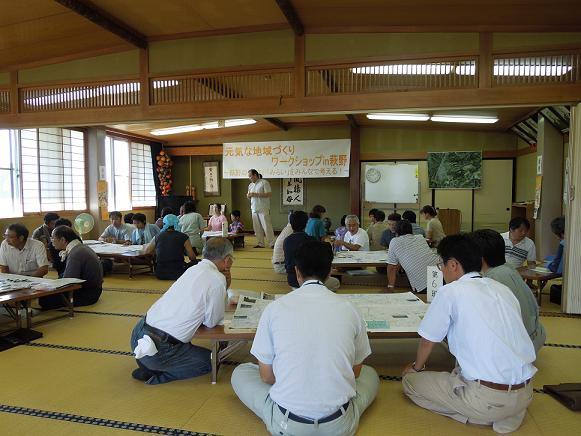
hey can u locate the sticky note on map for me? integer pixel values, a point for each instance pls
(377, 324)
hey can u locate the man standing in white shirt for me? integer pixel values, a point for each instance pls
(310, 345)
(22, 255)
(356, 239)
(491, 384)
(161, 340)
(519, 248)
(259, 193)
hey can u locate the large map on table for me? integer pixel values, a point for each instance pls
(13, 282)
(401, 312)
(107, 248)
(362, 257)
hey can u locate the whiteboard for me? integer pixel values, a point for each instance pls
(398, 183)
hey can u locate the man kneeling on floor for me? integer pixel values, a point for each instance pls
(161, 341)
(491, 384)
(310, 346)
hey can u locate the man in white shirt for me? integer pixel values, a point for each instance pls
(491, 384)
(356, 239)
(413, 254)
(161, 341)
(259, 193)
(310, 345)
(117, 232)
(22, 255)
(519, 248)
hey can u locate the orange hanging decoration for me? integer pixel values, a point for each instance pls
(164, 164)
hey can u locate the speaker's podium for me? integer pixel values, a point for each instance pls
(451, 220)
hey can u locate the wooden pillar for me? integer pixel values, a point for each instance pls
(571, 298)
(144, 77)
(14, 97)
(355, 171)
(550, 150)
(300, 66)
(485, 62)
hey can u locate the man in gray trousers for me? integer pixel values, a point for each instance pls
(310, 345)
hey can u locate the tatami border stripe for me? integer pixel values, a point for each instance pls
(90, 312)
(101, 422)
(136, 291)
(73, 348)
(559, 315)
(563, 345)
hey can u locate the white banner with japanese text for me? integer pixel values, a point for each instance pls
(287, 159)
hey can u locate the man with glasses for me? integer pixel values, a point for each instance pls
(22, 255)
(491, 384)
(161, 341)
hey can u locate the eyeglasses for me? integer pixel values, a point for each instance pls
(441, 265)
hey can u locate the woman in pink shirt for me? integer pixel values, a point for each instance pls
(216, 220)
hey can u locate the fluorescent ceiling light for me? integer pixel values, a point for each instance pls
(398, 117)
(405, 69)
(464, 119)
(178, 129)
(239, 122)
(211, 125)
(205, 126)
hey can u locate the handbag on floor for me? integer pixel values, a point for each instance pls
(568, 394)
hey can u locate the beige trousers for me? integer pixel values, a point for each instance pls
(451, 395)
(263, 226)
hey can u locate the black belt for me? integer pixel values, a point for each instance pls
(329, 418)
(160, 334)
(278, 263)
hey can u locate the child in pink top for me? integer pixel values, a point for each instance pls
(216, 220)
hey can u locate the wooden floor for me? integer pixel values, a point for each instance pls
(77, 378)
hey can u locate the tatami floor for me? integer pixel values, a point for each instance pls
(77, 378)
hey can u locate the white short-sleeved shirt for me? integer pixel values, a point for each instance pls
(122, 233)
(517, 254)
(360, 238)
(414, 255)
(259, 204)
(26, 261)
(486, 334)
(197, 297)
(312, 338)
(278, 252)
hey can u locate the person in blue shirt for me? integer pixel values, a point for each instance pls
(558, 228)
(143, 233)
(315, 226)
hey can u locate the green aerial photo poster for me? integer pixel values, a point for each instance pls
(455, 170)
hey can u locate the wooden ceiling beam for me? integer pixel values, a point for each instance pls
(291, 15)
(103, 19)
(534, 95)
(277, 122)
(352, 121)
